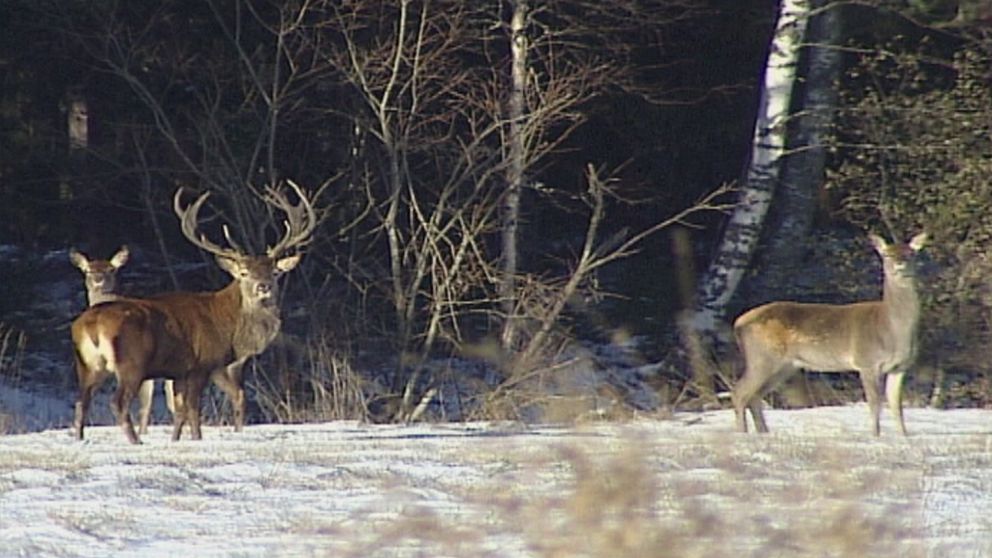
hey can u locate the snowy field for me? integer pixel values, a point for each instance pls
(686, 486)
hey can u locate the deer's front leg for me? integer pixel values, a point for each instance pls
(228, 379)
(193, 392)
(179, 408)
(872, 384)
(145, 399)
(893, 393)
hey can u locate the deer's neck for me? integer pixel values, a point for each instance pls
(256, 326)
(95, 297)
(256, 330)
(902, 305)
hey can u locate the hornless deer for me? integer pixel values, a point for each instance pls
(101, 286)
(100, 275)
(875, 338)
(190, 337)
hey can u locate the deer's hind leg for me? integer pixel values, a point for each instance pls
(784, 372)
(120, 404)
(746, 395)
(762, 373)
(89, 381)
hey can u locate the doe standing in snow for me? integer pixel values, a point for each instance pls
(875, 338)
(190, 337)
(100, 277)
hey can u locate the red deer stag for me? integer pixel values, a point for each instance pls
(100, 277)
(875, 338)
(190, 337)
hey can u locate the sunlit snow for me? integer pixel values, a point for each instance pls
(818, 485)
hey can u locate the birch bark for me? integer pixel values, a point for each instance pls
(802, 174)
(704, 325)
(515, 170)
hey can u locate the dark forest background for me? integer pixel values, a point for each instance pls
(393, 116)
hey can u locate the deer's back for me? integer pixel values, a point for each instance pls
(822, 337)
(168, 336)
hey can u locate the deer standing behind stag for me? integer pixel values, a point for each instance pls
(875, 338)
(100, 278)
(186, 337)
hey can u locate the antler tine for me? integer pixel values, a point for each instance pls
(230, 241)
(188, 223)
(300, 222)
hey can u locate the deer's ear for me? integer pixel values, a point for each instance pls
(287, 263)
(230, 265)
(878, 242)
(120, 258)
(918, 241)
(79, 260)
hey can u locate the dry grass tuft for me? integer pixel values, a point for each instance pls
(12, 345)
(320, 387)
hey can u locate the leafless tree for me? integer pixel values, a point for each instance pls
(453, 143)
(445, 146)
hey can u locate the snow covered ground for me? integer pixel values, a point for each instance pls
(685, 486)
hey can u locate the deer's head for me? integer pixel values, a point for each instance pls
(100, 275)
(899, 260)
(257, 276)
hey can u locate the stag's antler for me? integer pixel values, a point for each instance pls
(301, 219)
(188, 223)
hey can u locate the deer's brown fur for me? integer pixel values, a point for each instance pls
(100, 278)
(189, 337)
(875, 338)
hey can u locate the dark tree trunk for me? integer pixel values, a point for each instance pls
(787, 229)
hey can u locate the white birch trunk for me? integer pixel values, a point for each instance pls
(78, 123)
(802, 169)
(515, 170)
(744, 226)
